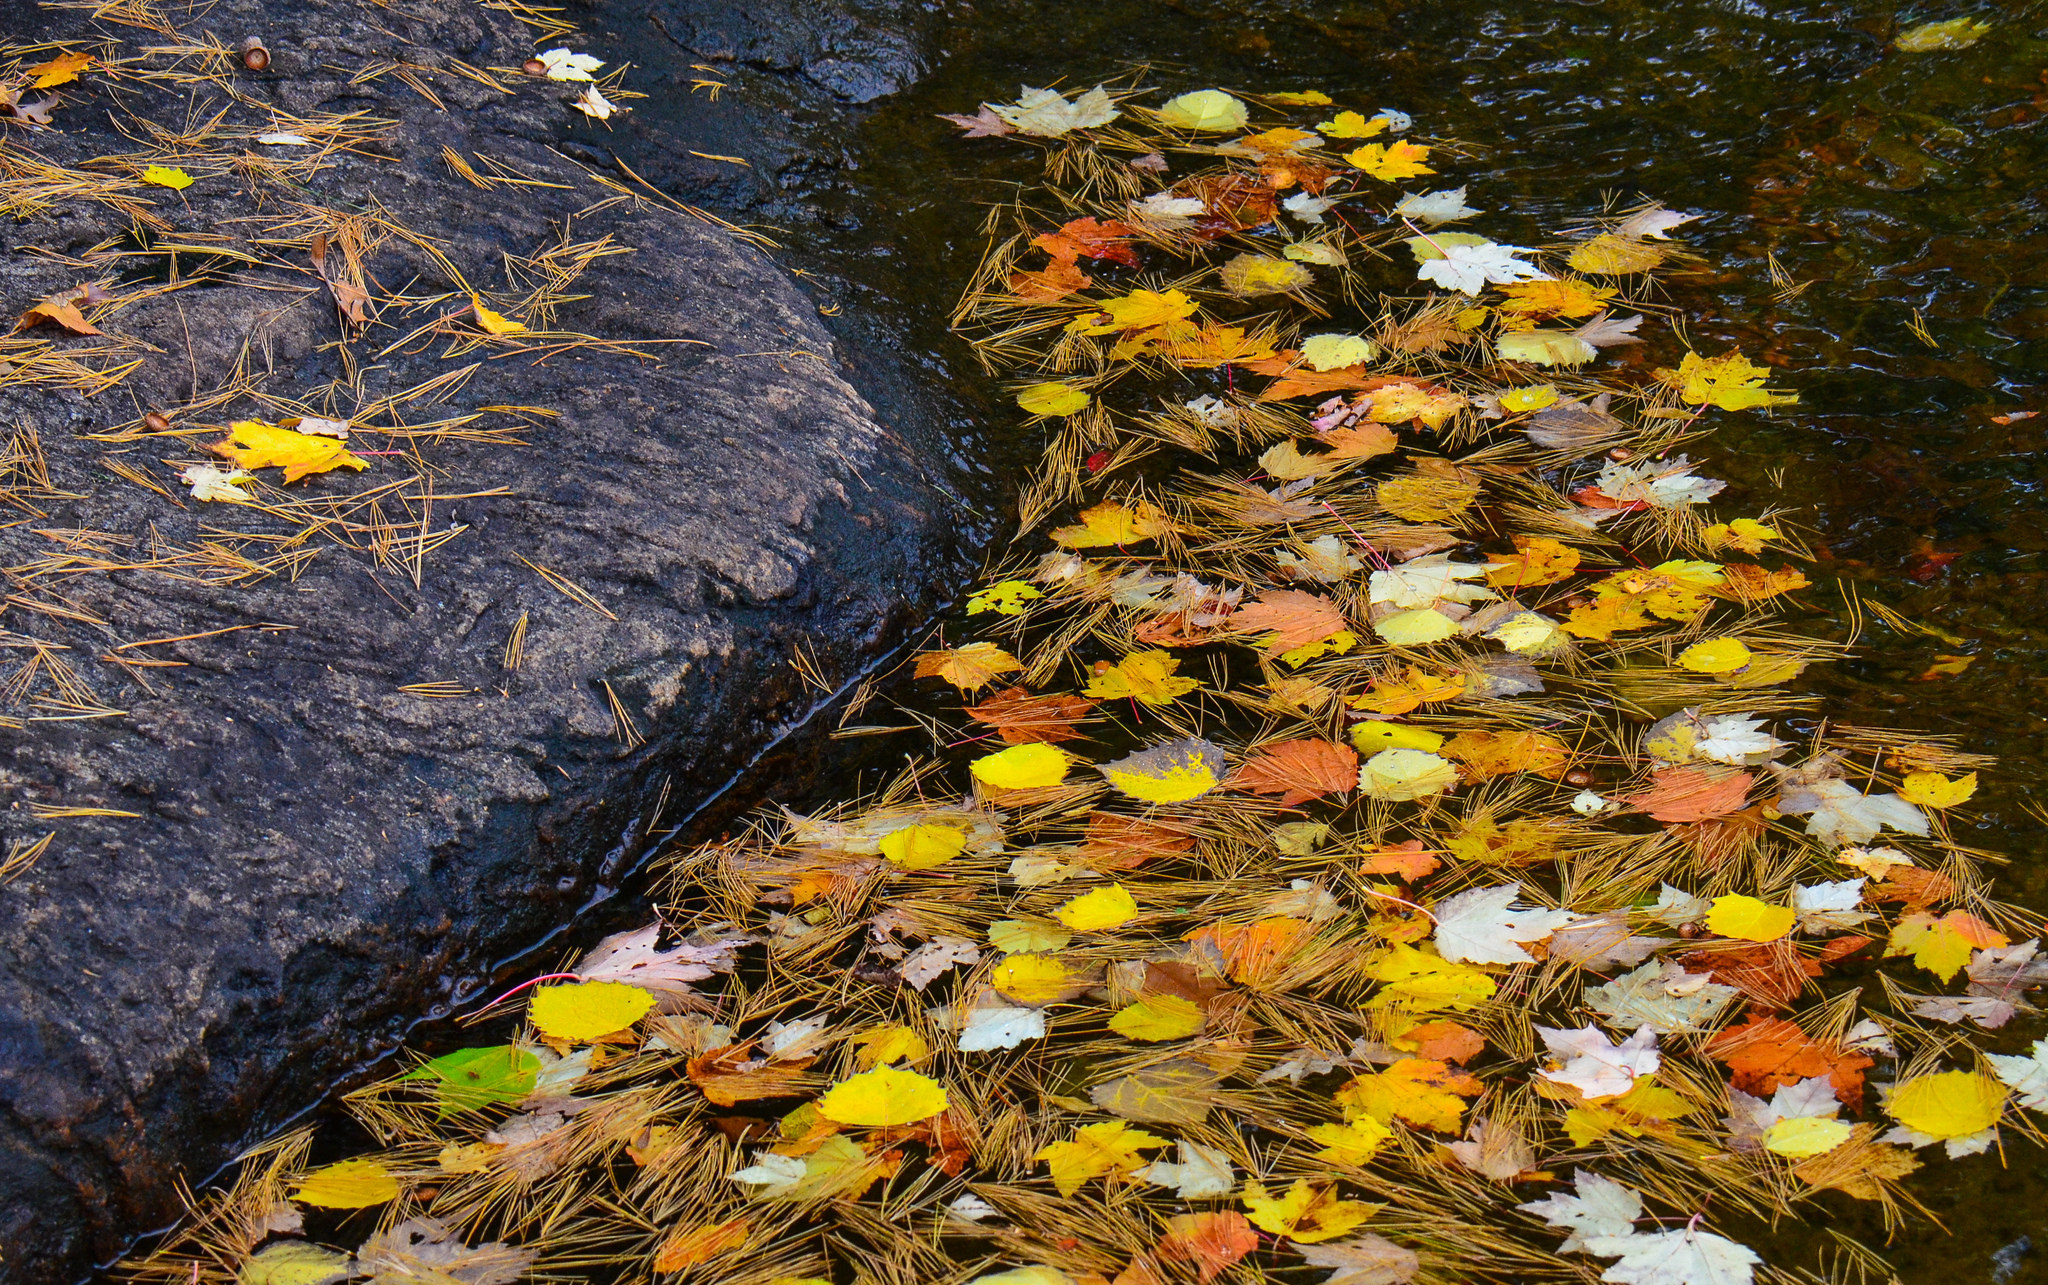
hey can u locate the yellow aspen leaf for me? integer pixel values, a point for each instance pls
(1415, 628)
(1171, 773)
(1147, 676)
(1052, 398)
(1159, 1017)
(921, 847)
(1099, 910)
(1335, 351)
(883, 1098)
(1943, 946)
(584, 1011)
(1519, 401)
(1306, 1214)
(1034, 979)
(1715, 656)
(1005, 598)
(1353, 1143)
(1032, 766)
(1808, 1135)
(251, 443)
(1336, 644)
(1933, 790)
(1250, 275)
(1112, 524)
(1371, 737)
(1391, 162)
(1948, 1104)
(695, 1245)
(346, 1184)
(1422, 1091)
(1609, 255)
(169, 176)
(1209, 111)
(492, 322)
(1395, 775)
(886, 1044)
(1095, 1151)
(1354, 125)
(1559, 298)
(1420, 981)
(295, 1262)
(1747, 919)
(968, 668)
(61, 70)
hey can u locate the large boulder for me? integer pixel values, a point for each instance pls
(297, 791)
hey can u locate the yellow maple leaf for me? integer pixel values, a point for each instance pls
(1557, 298)
(346, 1184)
(1306, 1214)
(1147, 676)
(921, 847)
(1355, 1142)
(1418, 981)
(1138, 310)
(1250, 275)
(252, 443)
(968, 668)
(1933, 790)
(1728, 381)
(1948, 1104)
(1005, 598)
(1096, 1150)
(1424, 1092)
(1099, 910)
(886, 1044)
(1601, 619)
(1747, 919)
(61, 70)
(1391, 161)
(1033, 766)
(882, 1098)
(580, 1012)
(1354, 125)
(1609, 255)
(1110, 524)
(1746, 534)
(1159, 1017)
(1943, 946)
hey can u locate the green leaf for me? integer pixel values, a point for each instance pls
(472, 1079)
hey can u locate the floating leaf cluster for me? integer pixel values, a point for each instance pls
(1381, 838)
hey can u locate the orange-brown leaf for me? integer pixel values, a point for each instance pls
(62, 308)
(1294, 619)
(1771, 974)
(695, 1245)
(1692, 793)
(1745, 582)
(1114, 842)
(1253, 952)
(1212, 1241)
(1443, 1041)
(1021, 718)
(1299, 770)
(727, 1077)
(1408, 859)
(1489, 754)
(1765, 1052)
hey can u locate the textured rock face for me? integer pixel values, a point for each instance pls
(327, 804)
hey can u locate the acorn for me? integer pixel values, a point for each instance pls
(1620, 453)
(254, 56)
(534, 67)
(1578, 776)
(157, 422)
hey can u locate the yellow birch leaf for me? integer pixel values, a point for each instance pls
(295, 1262)
(1391, 162)
(1806, 1135)
(1033, 766)
(580, 1012)
(1034, 979)
(1422, 1091)
(1747, 919)
(1414, 628)
(1933, 790)
(1171, 773)
(251, 443)
(886, 1044)
(1417, 981)
(1371, 737)
(1053, 398)
(1098, 911)
(883, 1098)
(968, 668)
(1159, 1017)
(346, 1184)
(1948, 1104)
(1715, 656)
(921, 847)
(492, 322)
(1306, 1214)
(1110, 524)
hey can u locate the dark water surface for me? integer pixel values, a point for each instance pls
(1892, 191)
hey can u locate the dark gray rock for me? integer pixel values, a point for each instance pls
(300, 855)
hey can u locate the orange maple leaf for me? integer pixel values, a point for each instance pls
(1489, 754)
(1294, 619)
(1299, 770)
(1442, 1041)
(1771, 974)
(1409, 859)
(1746, 583)
(1765, 1052)
(1114, 842)
(699, 1244)
(732, 1075)
(1253, 952)
(1692, 793)
(1212, 1241)
(1021, 718)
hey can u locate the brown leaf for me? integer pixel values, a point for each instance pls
(983, 124)
(1174, 977)
(1860, 1167)
(1408, 859)
(1021, 718)
(732, 1075)
(1765, 1052)
(1444, 1041)
(1772, 974)
(1723, 838)
(1114, 842)
(1213, 1241)
(695, 1245)
(1294, 618)
(1692, 793)
(61, 308)
(1918, 888)
(1299, 770)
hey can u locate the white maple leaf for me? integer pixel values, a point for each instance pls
(1602, 1208)
(563, 64)
(774, 1175)
(1477, 927)
(1046, 113)
(1752, 1117)
(1201, 1172)
(1325, 559)
(1653, 222)
(2027, 1076)
(1596, 1066)
(1432, 208)
(1736, 740)
(217, 484)
(1685, 1256)
(1425, 581)
(1662, 484)
(1309, 209)
(1471, 268)
(631, 958)
(1840, 813)
(427, 1249)
(1604, 330)
(935, 958)
(790, 1041)
(1660, 996)
(996, 1025)
(1677, 908)
(1363, 1260)
(596, 106)
(1829, 907)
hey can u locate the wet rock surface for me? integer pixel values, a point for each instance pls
(326, 804)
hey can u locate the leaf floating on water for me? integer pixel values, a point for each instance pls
(346, 1184)
(586, 1011)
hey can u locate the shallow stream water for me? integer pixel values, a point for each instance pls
(1874, 225)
